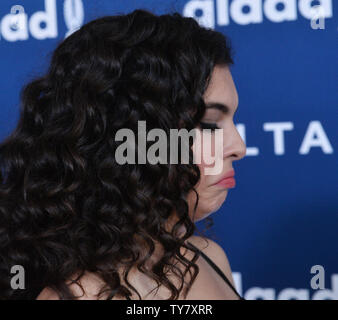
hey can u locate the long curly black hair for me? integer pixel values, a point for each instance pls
(66, 205)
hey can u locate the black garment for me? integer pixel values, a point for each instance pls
(216, 268)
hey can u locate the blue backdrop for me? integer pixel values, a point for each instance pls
(282, 217)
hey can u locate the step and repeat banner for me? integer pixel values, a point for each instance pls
(279, 226)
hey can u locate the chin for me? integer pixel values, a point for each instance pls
(201, 217)
(212, 207)
(209, 202)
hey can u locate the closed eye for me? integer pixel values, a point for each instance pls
(211, 126)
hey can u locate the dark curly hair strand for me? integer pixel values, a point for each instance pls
(66, 206)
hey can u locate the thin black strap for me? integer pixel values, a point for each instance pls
(217, 269)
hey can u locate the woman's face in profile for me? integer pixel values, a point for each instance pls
(212, 193)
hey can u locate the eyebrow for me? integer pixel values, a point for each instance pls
(219, 106)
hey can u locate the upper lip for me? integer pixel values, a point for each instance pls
(229, 174)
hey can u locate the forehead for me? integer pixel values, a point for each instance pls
(222, 88)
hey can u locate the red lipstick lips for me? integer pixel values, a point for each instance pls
(228, 180)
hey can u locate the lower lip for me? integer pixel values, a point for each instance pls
(227, 183)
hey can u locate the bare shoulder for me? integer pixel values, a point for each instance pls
(48, 294)
(92, 284)
(215, 252)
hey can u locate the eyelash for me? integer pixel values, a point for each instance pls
(211, 126)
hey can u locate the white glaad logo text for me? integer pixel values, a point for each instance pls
(43, 24)
(212, 13)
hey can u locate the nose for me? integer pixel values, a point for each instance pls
(234, 146)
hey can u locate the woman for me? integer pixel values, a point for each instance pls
(86, 227)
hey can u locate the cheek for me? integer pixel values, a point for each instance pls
(208, 203)
(210, 198)
(204, 151)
